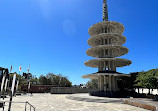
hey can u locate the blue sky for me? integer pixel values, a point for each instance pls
(51, 35)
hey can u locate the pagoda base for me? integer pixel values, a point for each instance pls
(110, 94)
(113, 94)
(107, 82)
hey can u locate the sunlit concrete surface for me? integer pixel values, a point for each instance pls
(59, 102)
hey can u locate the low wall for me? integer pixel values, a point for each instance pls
(143, 90)
(69, 90)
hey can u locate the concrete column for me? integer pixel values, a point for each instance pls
(109, 65)
(106, 41)
(102, 66)
(112, 41)
(102, 83)
(102, 41)
(108, 52)
(112, 66)
(110, 85)
(101, 53)
(109, 40)
(105, 83)
(112, 53)
(113, 83)
(105, 65)
(99, 68)
(115, 66)
(116, 87)
(99, 83)
(104, 53)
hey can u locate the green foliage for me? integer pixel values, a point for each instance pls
(124, 83)
(92, 83)
(44, 81)
(34, 81)
(52, 79)
(147, 79)
(49, 79)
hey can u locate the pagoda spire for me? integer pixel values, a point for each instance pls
(105, 10)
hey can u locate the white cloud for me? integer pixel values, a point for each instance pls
(69, 27)
(45, 7)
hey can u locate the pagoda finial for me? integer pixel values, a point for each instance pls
(105, 10)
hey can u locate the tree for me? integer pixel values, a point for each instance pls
(44, 81)
(147, 79)
(58, 80)
(93, 83)
(34, 81)
(125, 83)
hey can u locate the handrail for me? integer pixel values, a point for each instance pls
(30, 106)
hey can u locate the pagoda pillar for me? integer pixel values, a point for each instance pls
(113, 83)
(102, 83)
(105, 84)
(99, 83)
(110, 85)
(116, 86)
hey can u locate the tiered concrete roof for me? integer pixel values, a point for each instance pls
(118, 39)
(119, 62)
(117, 50)
(96, 28)
(111, 32)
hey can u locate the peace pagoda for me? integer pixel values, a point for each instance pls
(106, 41)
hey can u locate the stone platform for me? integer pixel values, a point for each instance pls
(87, 98)
(144, 103)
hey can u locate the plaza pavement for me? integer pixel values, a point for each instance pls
(59, 102)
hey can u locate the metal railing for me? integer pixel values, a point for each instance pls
(31, 107)
(26, 103)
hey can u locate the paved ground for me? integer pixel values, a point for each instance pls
(56, 102)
